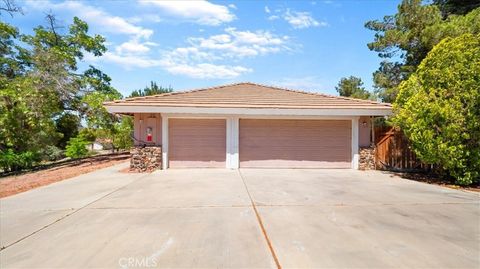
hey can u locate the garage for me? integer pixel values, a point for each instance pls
(249, 125)
(284, 143)
(197, 142)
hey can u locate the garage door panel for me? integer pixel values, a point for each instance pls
(293, 164)
(197, 142)
(295, 143)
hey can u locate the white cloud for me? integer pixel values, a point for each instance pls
(134, 47)
(204, 56)
(300, 20)
(201, 12)
(207, 57)
(239, 44)
(207, 70)
(96, 16)
(201, 70)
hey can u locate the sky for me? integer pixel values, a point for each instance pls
(302, 45)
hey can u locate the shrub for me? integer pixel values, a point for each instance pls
(76, 148)
(438, 108)
(52, 153)
(15, 161)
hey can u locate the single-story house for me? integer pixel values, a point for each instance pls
(252, 125)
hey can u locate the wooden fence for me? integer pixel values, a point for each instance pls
(393, 152)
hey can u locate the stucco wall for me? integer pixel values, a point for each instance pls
(364, 131)
(144, 120)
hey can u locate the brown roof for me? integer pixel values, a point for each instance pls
(249, 95)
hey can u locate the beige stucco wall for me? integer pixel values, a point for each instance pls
(364, 131)
(144, 120)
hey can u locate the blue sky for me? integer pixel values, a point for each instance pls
(305, 45)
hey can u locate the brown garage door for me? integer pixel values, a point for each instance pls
(196, 142)
(295, 143)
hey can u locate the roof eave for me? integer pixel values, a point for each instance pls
(381, 111)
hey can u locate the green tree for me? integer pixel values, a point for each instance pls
(151, 90)
(404, 39)
(67, 125)
(352, 87)
(399, 35)
(114, 128)
(96, 114)
(386, 79)
(122, 138)
(453, 26)
(458, 7)
(438, 108)
(40, 81)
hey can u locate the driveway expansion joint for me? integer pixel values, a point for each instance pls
(364, 205)
(169, 207)
(69, 214)
(260, 223)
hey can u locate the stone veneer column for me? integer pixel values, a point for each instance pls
(145, 159)
(367, 158)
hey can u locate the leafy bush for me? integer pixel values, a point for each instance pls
(15, 161)
(76, 148)
(438, 108)
(88, 134)
(52, 153)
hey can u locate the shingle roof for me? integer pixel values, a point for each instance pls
(249, 95)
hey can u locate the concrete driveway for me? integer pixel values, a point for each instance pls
(205, 218)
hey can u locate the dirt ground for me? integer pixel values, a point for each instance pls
(23, 182)
(436, 180)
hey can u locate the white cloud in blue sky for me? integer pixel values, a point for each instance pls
(199, 11)
(190, 44)
(300, 20)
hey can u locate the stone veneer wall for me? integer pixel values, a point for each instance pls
(367, 158)
(145, 159)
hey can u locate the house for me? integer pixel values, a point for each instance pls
(252, 125)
